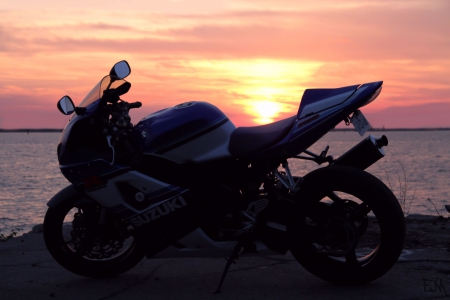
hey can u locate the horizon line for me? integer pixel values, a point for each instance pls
(334, 129)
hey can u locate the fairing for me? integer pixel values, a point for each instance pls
(77, 131)
(191, 131)
(316, 100)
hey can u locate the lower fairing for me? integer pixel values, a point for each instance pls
(198, 244)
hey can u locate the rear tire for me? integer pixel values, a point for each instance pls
(323, 258)
(84, 248)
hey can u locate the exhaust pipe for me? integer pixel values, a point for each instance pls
(364, 154)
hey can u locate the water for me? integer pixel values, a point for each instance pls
(29, 177)
(29, 173)
(416, 166)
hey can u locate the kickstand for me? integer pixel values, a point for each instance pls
(234, 255)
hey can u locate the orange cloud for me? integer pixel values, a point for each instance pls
(236, 54)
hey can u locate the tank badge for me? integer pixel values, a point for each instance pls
(184, 105)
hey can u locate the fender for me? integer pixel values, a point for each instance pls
(67, 193)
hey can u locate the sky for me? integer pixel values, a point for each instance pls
(253, 59)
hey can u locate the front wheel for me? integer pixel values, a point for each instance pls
(86, 240)
(354, 229)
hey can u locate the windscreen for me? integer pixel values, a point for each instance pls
(97, 92)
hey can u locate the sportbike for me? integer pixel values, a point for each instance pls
(185, 182)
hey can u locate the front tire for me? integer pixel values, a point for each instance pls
(77, 242)
(346, 253)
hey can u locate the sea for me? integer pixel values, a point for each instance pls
(416, 167)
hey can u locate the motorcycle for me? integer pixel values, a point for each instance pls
(185, 182)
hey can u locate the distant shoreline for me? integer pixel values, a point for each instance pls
(32, 130)
(395, 129)
(336, 129)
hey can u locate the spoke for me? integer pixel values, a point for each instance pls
(333, 196)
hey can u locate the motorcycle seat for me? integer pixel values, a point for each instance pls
(245, 141)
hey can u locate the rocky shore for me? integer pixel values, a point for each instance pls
(424, 232)
(422, 272)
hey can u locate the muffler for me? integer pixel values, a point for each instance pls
(364, 154)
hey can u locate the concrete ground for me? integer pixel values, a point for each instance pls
(27, 271)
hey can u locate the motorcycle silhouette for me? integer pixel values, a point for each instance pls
(185, 182)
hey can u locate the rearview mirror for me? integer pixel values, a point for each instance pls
(65, 105)
(121, 70)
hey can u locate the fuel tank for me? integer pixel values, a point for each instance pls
(188, 132)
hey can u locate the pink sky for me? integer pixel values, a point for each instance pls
(252, 59)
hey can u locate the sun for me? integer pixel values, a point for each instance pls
(265, 111)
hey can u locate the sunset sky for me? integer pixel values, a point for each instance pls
(251, 58)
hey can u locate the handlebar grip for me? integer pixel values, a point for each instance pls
(134, 105)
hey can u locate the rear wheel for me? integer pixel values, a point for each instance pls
(76, 240)
(354, 230)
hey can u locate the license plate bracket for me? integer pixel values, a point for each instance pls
(360, 122)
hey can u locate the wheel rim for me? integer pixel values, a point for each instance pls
(347, 235)
(82, 237)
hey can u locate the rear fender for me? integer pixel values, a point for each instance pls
(68, 193)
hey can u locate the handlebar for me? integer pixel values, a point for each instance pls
(136, 104)
(117, 115)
